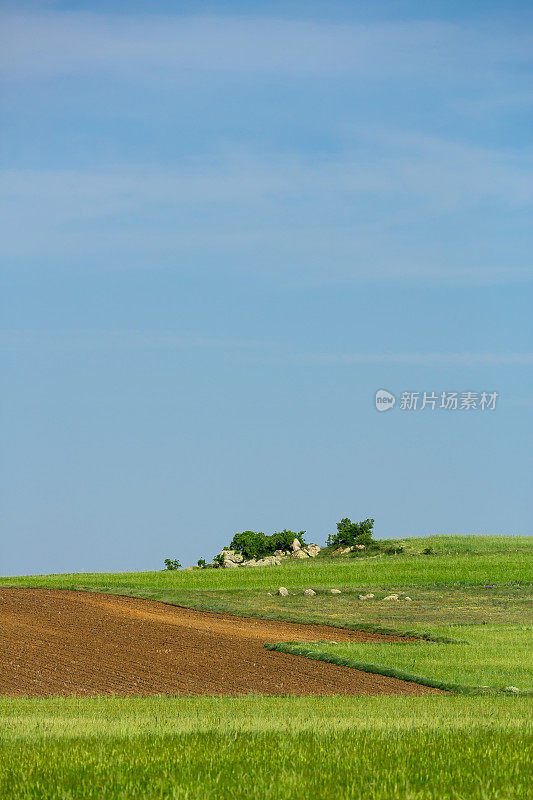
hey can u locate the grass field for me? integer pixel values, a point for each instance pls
(361, 747)
(473, 590)
(492, 657)
(471, 562)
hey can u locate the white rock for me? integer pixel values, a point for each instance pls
(366, 596)
(312, 550)
(335, 591)
(310, 592)
(230, 565)
(359, 547)
(299, 554)
(391, 597)
(283, 592)
(409, 599)
(512, 689)
(269, 594)
(231, 555)
(269, 561)
(295, 545)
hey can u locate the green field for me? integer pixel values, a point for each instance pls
(490, 657)
(362, 747)
(475, 591)
(477, 560)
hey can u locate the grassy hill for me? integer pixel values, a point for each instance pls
(455, 560)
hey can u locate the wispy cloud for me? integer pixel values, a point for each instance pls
(379, 203)
(420, 359)
(364, 214)
(148, 46)
(112, 340)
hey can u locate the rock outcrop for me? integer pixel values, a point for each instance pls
(299, 554)
(295, 545)
(229, 559)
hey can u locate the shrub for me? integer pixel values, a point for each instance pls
(218, 560)
(394, 550)
(350, 533)
(428, 551)
(283, 540)
(172, 563)
(250, 544)
(202, 562)
(253, 544)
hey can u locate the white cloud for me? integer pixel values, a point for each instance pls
(40, 45)
(418, 210)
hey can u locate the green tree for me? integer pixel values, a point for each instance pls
(350, 533)
(172, 563)
(282, 540)
(250, 544)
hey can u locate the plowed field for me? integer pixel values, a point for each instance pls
(57, 642)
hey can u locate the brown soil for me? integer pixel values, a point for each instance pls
(57, 642)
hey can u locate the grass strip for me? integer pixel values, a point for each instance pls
(413, 764)
(297, 649)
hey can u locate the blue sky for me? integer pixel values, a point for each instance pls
(226, 226)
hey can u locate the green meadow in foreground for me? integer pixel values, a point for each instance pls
(377, 748)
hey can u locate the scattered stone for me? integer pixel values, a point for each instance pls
(280, 553)
(283, 592)
(230, 565)
(366, 596)
(346, 550)
(512, 689)
(295, 545)
(310, 592)
(338, 551)
(269, 594)
(391, 597)
(335, 591)
(299, 554)
(251, 563)
(359, 547)
(408, 599)
(312, 550)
